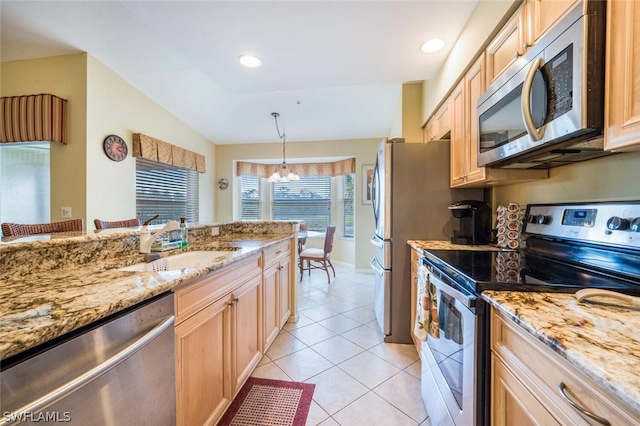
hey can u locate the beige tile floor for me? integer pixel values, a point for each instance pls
(337, 345)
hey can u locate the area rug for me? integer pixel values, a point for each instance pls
(270, 402)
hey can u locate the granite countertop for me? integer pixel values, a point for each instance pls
(446, 245)
(598, 336)
(44, 305)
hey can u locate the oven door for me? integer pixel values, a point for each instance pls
(448, 355)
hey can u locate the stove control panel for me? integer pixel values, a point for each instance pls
(615, 223)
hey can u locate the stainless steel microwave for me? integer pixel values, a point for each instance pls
(547, 109)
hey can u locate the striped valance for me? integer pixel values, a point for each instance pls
(32, 118)
(156, 150)
(336, 168)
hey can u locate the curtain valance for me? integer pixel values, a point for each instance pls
(32, 118)
(156, 150)
(336, 168)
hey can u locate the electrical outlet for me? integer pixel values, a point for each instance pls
(215, 230)
(66, 213)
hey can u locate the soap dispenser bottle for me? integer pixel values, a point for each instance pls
(184, 233)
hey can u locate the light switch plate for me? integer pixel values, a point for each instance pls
(66, 213)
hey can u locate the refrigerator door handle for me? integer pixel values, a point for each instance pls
(376, 266)
(376, 241)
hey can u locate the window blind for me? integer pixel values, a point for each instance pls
(308, 199)
(251, 201)
(170, 191)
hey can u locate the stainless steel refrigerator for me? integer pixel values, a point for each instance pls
(410, 195)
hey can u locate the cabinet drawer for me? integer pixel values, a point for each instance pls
(276, 252)
(541, 370)
(196, 295)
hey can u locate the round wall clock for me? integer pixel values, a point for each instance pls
(223, 183)
(115, 148)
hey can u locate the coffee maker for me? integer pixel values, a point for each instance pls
(475, 222)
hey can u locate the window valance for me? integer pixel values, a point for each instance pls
(162, 152)
(336, 168)
(33, 118)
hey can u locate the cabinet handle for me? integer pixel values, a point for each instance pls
(233, 302)
(601, 420)
(279, 251)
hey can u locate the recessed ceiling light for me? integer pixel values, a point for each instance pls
(432, 45)
(250, 61)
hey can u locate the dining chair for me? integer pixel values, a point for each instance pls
(128, 223)
(19, 229)
(319, 258)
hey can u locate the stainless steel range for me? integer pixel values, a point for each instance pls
(570, 246)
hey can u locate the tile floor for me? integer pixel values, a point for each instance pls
(337, 345)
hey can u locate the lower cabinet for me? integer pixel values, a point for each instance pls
(415, 265)
(218, 346)
(526, 378)
(224, 322)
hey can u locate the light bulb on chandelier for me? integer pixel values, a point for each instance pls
(285, 174)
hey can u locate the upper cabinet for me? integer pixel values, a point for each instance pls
(622, 94)
(542, 14)
(507, 46)
(439, 126)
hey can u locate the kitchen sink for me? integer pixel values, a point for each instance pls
(178, 261)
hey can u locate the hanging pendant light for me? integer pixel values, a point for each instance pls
(285, 174)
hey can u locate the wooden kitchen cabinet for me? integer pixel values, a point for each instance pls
(442, 122)
(277, 289)
(427, 131)
(543, 14)
(524, 383)
(622, 94)
(218, 338)
(506, 46)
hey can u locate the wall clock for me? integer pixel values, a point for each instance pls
(115, 147)
(223, 183)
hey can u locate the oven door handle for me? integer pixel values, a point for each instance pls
(535, 133)
(466, 300)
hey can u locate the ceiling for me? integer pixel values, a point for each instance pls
(332, 69)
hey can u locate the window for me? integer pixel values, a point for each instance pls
(25, 182)
(170, 191)
(251, 202)
(347, 218)
(307, 199)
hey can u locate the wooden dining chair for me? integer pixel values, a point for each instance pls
(304, 227)
(319, 258)
(19, 229)
(128, 223)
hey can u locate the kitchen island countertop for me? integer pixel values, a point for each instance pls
(600, 338)
(39, 307)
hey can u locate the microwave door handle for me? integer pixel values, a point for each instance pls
(535, 133)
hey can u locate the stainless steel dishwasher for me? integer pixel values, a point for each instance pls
(121, 371)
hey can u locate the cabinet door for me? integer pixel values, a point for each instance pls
(442, 122)
(458, 142)
(284, 295)
(622, 96)
(474, 87)
(270, 304)
(246, 323)
(505, 48)
(542, 14)
(427, 133)
(415, 259)
(511, 402)
(203, 388)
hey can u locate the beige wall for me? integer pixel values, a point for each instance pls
(65, 77)
(101, 103)
(114, 106)
(609, 178)
(357, 252)
(407, 120)
(487, 15)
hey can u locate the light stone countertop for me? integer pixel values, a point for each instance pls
(599, 337)
(39, 307)
(446, 245)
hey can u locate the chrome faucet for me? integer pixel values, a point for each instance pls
(147, 238)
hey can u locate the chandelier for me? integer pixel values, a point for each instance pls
(285, 174)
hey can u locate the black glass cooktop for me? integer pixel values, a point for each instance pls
(519, 271)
